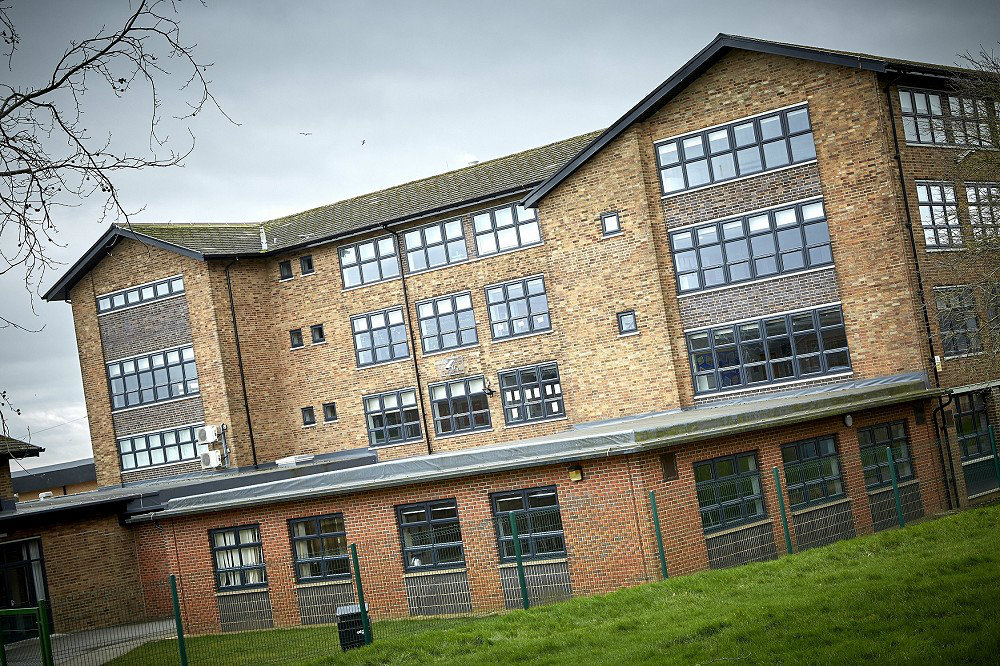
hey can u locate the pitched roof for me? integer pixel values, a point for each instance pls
(15, 448)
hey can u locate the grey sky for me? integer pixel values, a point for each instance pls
(428, 86)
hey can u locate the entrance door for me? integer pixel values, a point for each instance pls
(22, 584)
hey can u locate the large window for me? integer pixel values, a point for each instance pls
(238, 557)
(144, 293)
(539, 523)
(793, 346)
(984, 209)
(812, 471)
(380, 337)
(319, 545)
(505, 228)
(729, 491)
(393, 417)
(518, 307)
(447, 322)
(369, 261)
(973, 425)
(938, 118)
(530, 394)
(874, 462)
(958, 320)
(782, 240)
(433, 245)
(460, 406)
(159, 448)
(431, 535)
(939, 214)
(750, 146)
(153, 378)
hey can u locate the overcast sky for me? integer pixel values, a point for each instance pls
(426, 86)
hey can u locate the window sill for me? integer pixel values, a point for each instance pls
(745, 283)
(464, 433)
(432, 572)
(888, 487)
(310, 425)
(973, 461)
(287, 279)
(817, 507)
(382, 363)
(296, 348)
(938, 250)
(154, 404)
(376, 447)
(523, 335)
(330, 422)
(628, 335)
(732, 530)
(371, 284)
(614, 235)
(528, 563)
(535, 422)
(953, 146)
(508, 251)
(702, 188)
(316, 344)
(983, 494)
(453, 350)
(323, 583)
(762, 385)
(958, 356)
(242, 590)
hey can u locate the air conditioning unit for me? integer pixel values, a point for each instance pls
(211, 460)
(206, 434)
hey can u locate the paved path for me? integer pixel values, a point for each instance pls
(91, 648)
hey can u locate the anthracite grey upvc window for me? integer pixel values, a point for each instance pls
(505, 228)
(368, 262)
(319, 546)
(939, 214)
(316, 331)
(874, 462)
(958, 320)
(627, 322)
(973, 425)
(518, 307)
(380, 336)
(431, 535)
(144, 293)
(329, 412)
(937, 118)
(984, 209)
(729, 491)
(530, 394)
(306, 264)
(610, 224)
(776, 349)
(238, 558)
(392, 417)
(285, 270)
(159, 448)
(745, 147)
(460, 406)
(308, 416)
(812, 471)
(539, 523)
(295, 338)
(447, 322)
(436, 244)
(781, 240)
(153, 378)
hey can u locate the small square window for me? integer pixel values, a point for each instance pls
(296, 337)
(317, 333)
(308, 416)
(668, 464)
(306, 263)
(627, 322)
(285, 269)
(329, 412)
(610, 224)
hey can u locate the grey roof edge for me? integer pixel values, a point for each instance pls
(569, 446)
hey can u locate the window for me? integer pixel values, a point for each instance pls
(460, 406)
(627, 323)
(539, 523)
(505, 228)
(776, 349)
(874, 462)
(295, 336)
(668, 465)
(238, 557)
(329, 412)
(368, 262)
(782, 240)
(380, 337)
(518, 308)
(392, 417)
(812, 471)
(958, 320)
(447, 322)
(431, 535)
(308, 416)
(144, 293)
(285, 270)
(738, 149)
(531, 394)
(159, 448)
(153, 377)
(939, 214)
(610, 224)
(972, 424)
(317, 333)
(937, 118)
(319, 546)
(984, 209)
(306, 264)
(729, 491)
(433, 245)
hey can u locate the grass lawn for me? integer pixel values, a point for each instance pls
(926, 594)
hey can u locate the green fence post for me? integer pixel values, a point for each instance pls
(361, 596)
(895, 486)
(44, 635)
(784, 516)
(520, 562)
(996, 461)
(181, 646)
(659, 534)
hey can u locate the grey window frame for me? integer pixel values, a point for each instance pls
(514, 396)
(468, 408)
(958, 321)
(296, 339)
(450, 246)
(949, 123)
(737, 338)
(303, 261)
(434, 527)
(325, 561)
(635, 322)
(527, 518)
(723, 237)
(308, 416)
(871, 449)
(115, 372)
(494, 231)
(732, 150)
(939, 215)
(327, 406)
(972, 423)
(156, 441)
(533, 312)
(404, 424)
(391, 329)
(313, 330)
(983, 200)
(285, 270)
(148, 292)
(816, 465)
(605, 232)
(430, 327)
(242, 569)
(716, 484)
(379, 259)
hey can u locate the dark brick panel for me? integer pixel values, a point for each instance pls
(158, 416)
(145, 328)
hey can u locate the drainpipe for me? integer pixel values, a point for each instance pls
(239, 362)
(942, 404)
